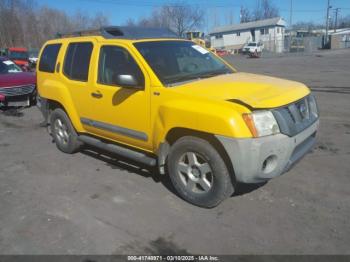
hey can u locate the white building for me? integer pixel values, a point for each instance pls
(233, 37)
(340, 38)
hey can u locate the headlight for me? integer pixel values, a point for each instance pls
(313, 106)
(261, 123)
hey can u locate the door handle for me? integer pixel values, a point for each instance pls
(97, 94)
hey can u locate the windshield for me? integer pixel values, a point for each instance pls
(179, 61)
(8, 66)
(252, 44)
(14, 55)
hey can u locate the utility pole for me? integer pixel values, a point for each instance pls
(290, 24)
(336, 11)
(291, 14)
(327, 22)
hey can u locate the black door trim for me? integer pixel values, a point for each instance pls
(115, 129)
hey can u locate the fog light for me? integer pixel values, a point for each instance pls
(269, 164)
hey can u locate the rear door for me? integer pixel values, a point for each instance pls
(76, 71)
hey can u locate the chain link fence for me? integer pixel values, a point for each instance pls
(293, 45)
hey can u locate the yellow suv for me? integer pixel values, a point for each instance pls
(145, 95)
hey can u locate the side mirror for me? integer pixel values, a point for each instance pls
(128, 81)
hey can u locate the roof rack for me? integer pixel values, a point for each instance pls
(124, 32)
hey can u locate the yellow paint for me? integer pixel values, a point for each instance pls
(198, 105)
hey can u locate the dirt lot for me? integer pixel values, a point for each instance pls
(89, 203)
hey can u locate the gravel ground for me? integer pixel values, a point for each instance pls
(90, 203)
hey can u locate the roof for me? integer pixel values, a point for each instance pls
(276, 21)
(340, 31)
(124, 32)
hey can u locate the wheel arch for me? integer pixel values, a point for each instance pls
(73, 117)
(176, 133)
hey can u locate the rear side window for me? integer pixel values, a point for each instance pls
(77, 61)
(49, 57)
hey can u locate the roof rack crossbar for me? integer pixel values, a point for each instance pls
(123, 32)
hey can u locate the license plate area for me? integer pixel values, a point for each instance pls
(24, 102)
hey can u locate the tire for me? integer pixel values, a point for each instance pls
(198, 172)
(63, 132)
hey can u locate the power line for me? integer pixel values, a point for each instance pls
(150, 4)
(291, 14)
(327, 21)
(207, 5)
(336, 11)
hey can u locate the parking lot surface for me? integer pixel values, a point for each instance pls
(91, 203)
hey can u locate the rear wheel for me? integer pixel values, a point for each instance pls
(63, 132)
(198, 172)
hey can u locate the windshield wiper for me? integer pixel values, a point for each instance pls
(214, 73)
(198, 76)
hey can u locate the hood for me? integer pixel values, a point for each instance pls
(257, 91)
(17, 79)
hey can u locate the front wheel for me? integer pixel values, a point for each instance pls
(198, 172)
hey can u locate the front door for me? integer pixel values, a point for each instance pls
(115, 110)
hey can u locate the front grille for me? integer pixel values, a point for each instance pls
(17, 90)
(295, 117)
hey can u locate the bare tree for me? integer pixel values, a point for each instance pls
(344, 22)
(269, 9)
(99, 20)
(81, 20)
(229, 17)
(309, 26)
(130, 22)
(179, 17)
(23, 23)
(183, 18)
(245, 15)
(264, 9)
(11, 29)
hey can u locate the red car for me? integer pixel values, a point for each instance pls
(19, 56)
(17, 88)
(221, 52)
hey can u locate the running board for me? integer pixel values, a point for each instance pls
(119, 150)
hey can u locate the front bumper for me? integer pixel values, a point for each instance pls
(18, 96)
(257, 160)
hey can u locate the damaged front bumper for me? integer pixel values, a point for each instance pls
(256, 160)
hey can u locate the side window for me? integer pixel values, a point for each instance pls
(115, 61)
(48, 58)
(77, 61)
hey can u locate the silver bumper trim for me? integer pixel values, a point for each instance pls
(249, 156)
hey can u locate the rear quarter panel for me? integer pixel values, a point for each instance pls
(50, 86)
